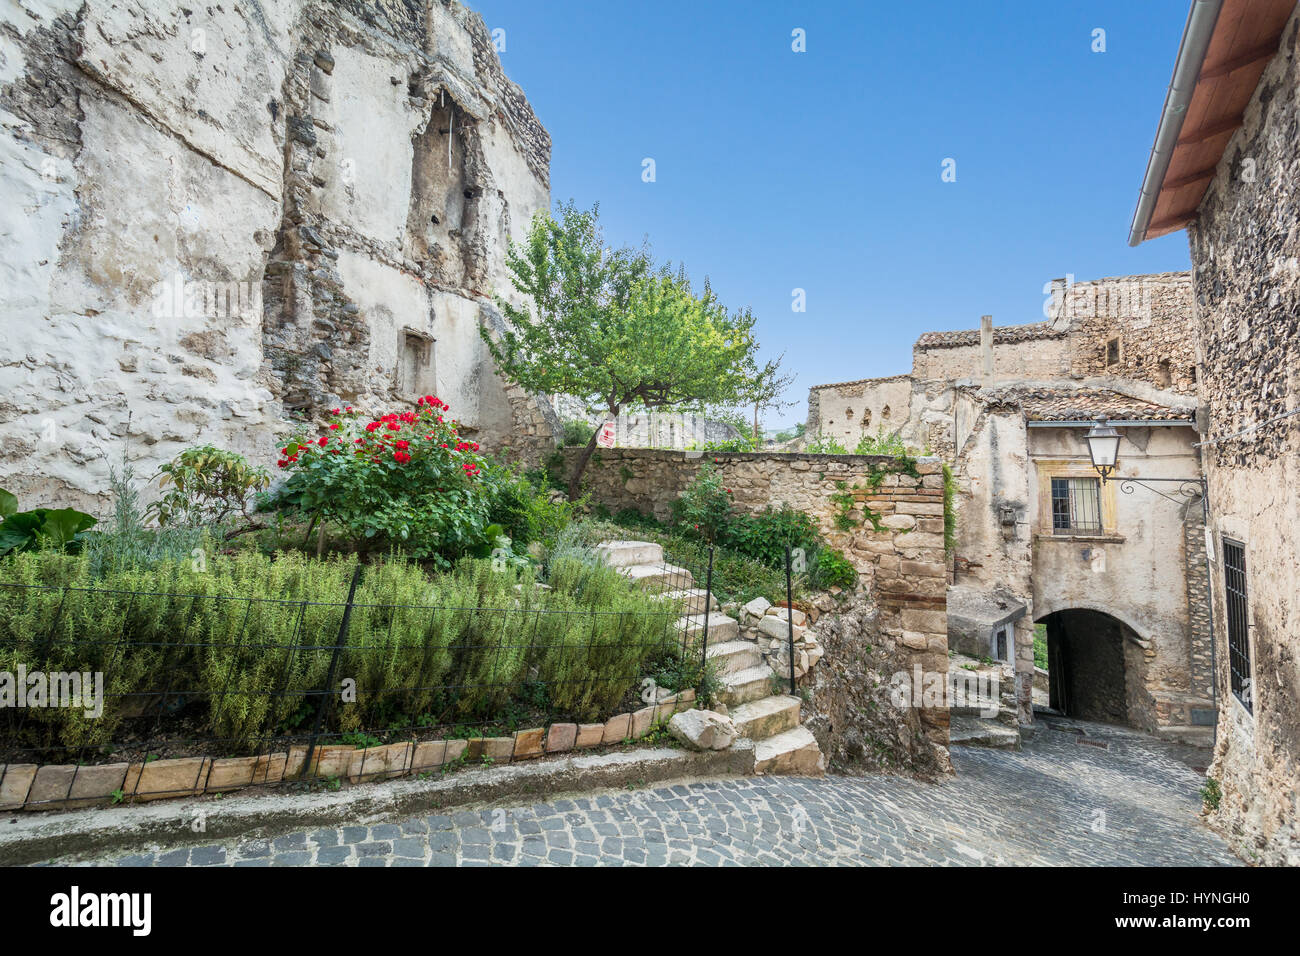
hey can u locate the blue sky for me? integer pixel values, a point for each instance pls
(821, 170)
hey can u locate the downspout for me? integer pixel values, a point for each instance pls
(1187, 68)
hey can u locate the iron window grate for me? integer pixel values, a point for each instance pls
(1236, 600)
(1076, 506)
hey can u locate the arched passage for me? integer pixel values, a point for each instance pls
(1095, 664)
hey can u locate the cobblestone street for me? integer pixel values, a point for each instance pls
(1122, 799)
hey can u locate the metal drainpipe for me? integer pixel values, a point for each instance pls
(1187, 67)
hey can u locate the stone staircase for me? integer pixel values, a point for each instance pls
(750, 694)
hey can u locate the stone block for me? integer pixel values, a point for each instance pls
(231, 773)
(641, 721)
(373, 763)
(562, 737)
(429, 755)
(15, 782)
(65, 786)
(617, 728)
(923, 569)
(530, 743)
(590, 735)
(927, 621)
(164, 779)
(914, 640)
(496, 749)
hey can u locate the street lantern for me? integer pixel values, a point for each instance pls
(1103, 447)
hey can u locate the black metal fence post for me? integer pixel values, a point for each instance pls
(326, 691)
(708, 601)
(789, 614)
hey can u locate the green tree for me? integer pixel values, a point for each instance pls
(605, 326)
(763, 391)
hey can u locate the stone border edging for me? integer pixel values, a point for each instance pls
(65, 786)
(29, 839)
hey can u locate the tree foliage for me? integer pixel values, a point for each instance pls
(608, 327)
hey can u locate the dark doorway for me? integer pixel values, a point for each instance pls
(1088, 666)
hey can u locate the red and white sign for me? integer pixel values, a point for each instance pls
(605, 437)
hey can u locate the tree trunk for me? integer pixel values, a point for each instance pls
(575, 480)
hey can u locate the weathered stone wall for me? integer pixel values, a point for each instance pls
(1138, 328)
(902, 565)
(1245, 251)
(222, 219)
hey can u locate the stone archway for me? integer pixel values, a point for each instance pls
(1096, 668)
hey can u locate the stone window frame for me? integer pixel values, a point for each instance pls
(1118, 342)
(1045, 470)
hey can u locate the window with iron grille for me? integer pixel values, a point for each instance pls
(1234, 589)
(1076, 506)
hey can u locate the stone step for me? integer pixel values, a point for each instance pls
(734, 656)
(974, 732)
(741, 687)
(768, 717)
(692, 600)
(791, 752)
(626, 554)
(659, 577)
(721, 627)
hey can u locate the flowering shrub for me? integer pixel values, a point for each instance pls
(403, 479)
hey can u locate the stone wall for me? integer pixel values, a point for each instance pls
(1139, 328)
(1245, 250)
(220, 220)
(902, 565)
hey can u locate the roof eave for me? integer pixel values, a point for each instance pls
(1187, 68)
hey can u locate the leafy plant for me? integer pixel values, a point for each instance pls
(822, 445)
(830, 568)
(704, 509)
(1211, 794)
(882, 443)
(208, 486)
(58, 528)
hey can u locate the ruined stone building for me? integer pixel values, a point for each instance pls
(1040, 539)
(219, 220)
(1226, 167)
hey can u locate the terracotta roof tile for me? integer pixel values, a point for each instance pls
(1002, 335)
(1083, 404)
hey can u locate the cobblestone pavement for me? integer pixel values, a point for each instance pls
(1058, 802)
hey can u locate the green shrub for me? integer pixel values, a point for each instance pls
(704, 509)
(882, 443)
(765, 536)
(577, 432)
(243, 647)
(40, 528)
(826, 446)
(830, 568)
(208, 486)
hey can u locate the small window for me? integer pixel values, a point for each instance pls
(1112, 352)
(1236, 600)
(1076, 506)
(1000, 646)
(416, 371)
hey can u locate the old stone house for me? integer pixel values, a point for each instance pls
(219, 220)
(1226, 167)
(1113, 571)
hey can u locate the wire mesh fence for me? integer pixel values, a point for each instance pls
(116, 694)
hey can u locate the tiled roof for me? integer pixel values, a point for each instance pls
(1003, 335)
(1083, 404)
(861, 381)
